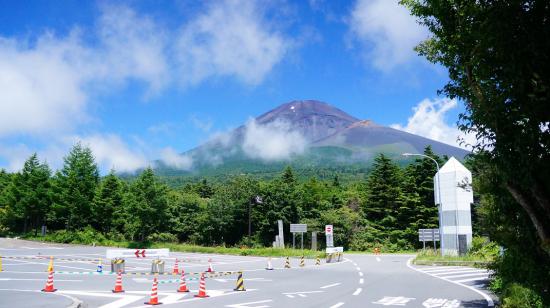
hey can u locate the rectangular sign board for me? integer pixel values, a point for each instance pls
(137, 253)
(298, 228)
(428, 235)
(329, 229)
(334, 249)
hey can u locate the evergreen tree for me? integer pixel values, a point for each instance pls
(384, 194)
(423, 171)
(76, 185)
(108, 202)
(28, 196)
(148, 208)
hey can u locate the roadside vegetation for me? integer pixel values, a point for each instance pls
(482, 253)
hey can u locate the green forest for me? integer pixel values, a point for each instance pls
(385, 209)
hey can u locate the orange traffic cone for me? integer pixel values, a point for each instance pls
(175, 271)
(210, 268)
(183, 285)
(154, 296)
(202, 288)
(49, 284)
(118, 283)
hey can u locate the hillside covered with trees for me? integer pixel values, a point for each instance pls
(385, 208)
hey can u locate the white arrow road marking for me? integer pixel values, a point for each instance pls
(246, 305)
(330, 285)
(393, 301)
(300, 294)
(357, 291)
(337, 305)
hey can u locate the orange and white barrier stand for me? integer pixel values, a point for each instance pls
(183, 285)
(210, 268)
(118, 283)
(175, 271)
(154, 300)
(49, 283)
(202, 288)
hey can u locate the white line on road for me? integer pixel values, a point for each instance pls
(461, 272)
(472, 279)
(358, 268)
(487, 298)
(486, 275)
(304, 292)
(361, 281)
(357, 291)
(337, 305)
(330, 285)
(33, 279)
(361, 274)
(245, 305)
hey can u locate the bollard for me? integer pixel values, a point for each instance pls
(287, 262)
(302, 261)
(240, 283)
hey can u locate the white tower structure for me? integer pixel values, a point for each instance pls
(455, 214)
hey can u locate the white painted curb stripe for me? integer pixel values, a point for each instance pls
(487, 298)
(337, 305)
(357, 291)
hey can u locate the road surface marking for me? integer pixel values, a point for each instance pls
(487, 298)
(378, 259)
(471, 279)
(290, 296)
(464, 271)
(357, 291)
(337, 305)
(361, 274)
(75, 300)
(303, 292)
(453, 270)
(246, 305)
(358, 268)
(36, 279)
(330, 285)
(441, 302)
(394, 301)
(467, 275)
(361, 281)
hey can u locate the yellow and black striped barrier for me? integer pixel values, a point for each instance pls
(240, 283)
(317, 261)
(302, 261)
(287, 262)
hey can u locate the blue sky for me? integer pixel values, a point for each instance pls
(141, 80)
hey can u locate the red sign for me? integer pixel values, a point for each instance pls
(137, 253)
(328, 229)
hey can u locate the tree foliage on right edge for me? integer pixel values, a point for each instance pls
(498, 57)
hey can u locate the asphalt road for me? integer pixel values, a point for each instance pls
(357, 281)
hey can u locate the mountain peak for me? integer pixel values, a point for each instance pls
(313, 119)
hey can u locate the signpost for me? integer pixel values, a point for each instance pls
(329, 231)
(137, 253)
(426, 235)
(281, 241)
(298, 228)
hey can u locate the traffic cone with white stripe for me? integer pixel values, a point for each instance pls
(240, 283)
(183, 285)
(269, 265)
(154, 300)
(210, 268)
(202, 288)
(175, 271)
(49, 283)
(118, 283)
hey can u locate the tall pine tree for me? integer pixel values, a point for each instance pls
(108, 202)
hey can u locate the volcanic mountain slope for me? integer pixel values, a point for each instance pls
(307, 135)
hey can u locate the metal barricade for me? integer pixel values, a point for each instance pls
(117, 265)
(157, 266)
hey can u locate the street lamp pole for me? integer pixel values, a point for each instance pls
(440, 207)
(253, 200)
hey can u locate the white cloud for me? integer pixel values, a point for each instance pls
(46, 84)
(231, 39)
(204, 124)
(428, 121)
(111, 152)
(171, 158)
(273, 141)
(387, 32)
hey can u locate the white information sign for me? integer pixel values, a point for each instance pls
(334, 249)
(298, 228)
